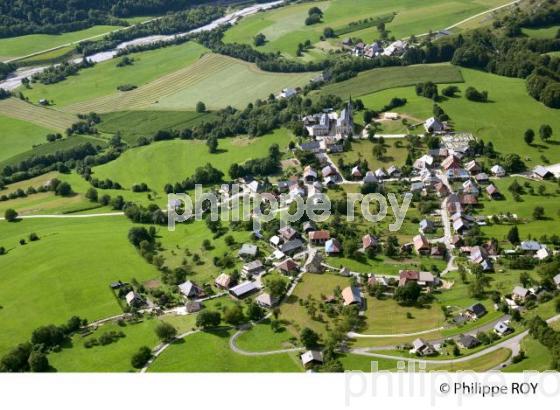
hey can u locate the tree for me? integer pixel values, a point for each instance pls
(276, 287)
(92, 194)
(538, 212)
(473, 94)
(259, 40)
(545, 132)
(513, 236)
(315, 10)
(408, 294)
(208, 318)
(368, 116)
(529, 136)
(141, 357)
(38, 362)
(138, 234)
(212, 143)
(64, 189)
(255, 312)
(450, 91)
(328, 32)
(165, 332)
(309, 338)
(379, 151)
(234, 315)
(10, 215)
(200, 107)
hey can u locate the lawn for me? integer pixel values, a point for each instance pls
(382, 265)
(538, 357)
(509, 102)
(17, 136)
(40, 116)
(210, 352)
(173, 161)
(363, 150)
(262, 338)
(24, 45)
(50, 280)
(103, 79)
(135, 124)
(378, 79)
(285, 27)
(215, 79)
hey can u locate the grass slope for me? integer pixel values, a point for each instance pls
(503, 120)
(18, 136)
(44, 117)
(173, 161)
(52, 279)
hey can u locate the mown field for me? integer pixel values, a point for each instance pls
(44, 117)
(18, 136)
(24, 45)
(104, 78)
(210, 352)
(285, 27)
(390, 77)
(134, 124)
(173, 161)
(52, 279)
(502, 120)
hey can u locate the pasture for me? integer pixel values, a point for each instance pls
(261, 338)
(363, 150)
(52, 279)
(18, 136)
(502, 120)
(544, 32)
(135, 124)
(210, 352)
(172, 161)
(41, 116)
(103, 79)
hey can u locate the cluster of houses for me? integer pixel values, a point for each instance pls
(331, 124)
(377, 48)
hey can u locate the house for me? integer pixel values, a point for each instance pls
(424, 162)
(328, 171)
(345, 122)
(312, 146)
(292, 247)
(193, 306)
(451, 162)
(369, 241)
(421, 244)
(393, 172)
(519, 294)
(416, 187)
(482, 178)
(468, 200)
(530, 247)
(252, 268)
(475, 311)
(380, 173)
(542, 173)
(453, 204)
(406, 276)
(288, 92)
(422, 348)
(556, 280)
(498, 171)
(309, 226)
(288, 266)
(133, 299)
(493, 192)
(330, 181)
(333, 246)
(266, 301)
(469, 187)
(438, 152)
(309, 174)
(396, 48)
(473, 167)
(191, 290)
(288, 233)
(223, 281)
(427, 226)
(438, 251)
(502, 329)
(351, 296)
(441, 189)
(468, 342)
(457, 174)
(243, 289)
(344, 271)
(311, 358)
(479, 256)
(314, 262)
(356, 173)
(248, 251)
(275, 241)
(542, 253)
(255, 187)
(319, 237)
(433, 125)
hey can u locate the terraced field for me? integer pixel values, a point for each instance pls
(44, 117)
(215, 79)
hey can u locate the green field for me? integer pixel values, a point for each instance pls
(44, 117)
(285, 27)
(503, 120)
(546, 32)
(18, 136)
(103, 79)
(210, 352)
(262, 338)
(173, 161)
(363, 150)
(390, 77)
(135, 124)
(52, 279)
(24, 45)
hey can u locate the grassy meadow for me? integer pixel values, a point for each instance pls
(17, 136)
(41, 116)
(52, 279)
(544, 32)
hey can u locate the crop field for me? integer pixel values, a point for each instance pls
(43, 117)
(17, 136)
(50, 280)
(24, 45)
(210, 352)
(285, 27)
(502, 120)
(102, 80)
(172, 161)
(216, 80)
(135, 124)
(390, 77)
